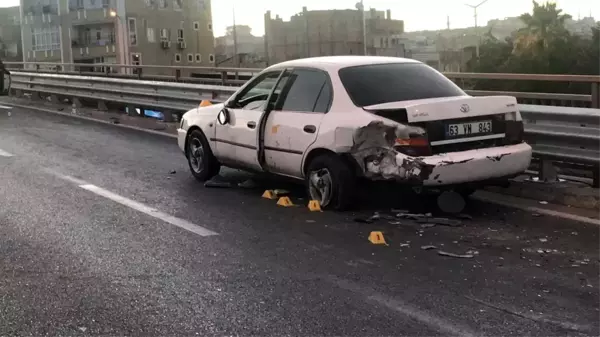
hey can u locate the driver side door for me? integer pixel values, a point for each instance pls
(237, 139)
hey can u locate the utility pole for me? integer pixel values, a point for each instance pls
(361, 6)
(236, 59)
(476, 27)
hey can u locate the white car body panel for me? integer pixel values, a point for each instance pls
(351, 130)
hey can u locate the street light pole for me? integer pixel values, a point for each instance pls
(476, 27)
(122, 36)
(361, 6)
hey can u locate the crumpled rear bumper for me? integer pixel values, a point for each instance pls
(451, 168)
(477, 165)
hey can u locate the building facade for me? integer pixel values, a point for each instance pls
(10, 35)
(134, 32)
(332, 32)
(250, 49)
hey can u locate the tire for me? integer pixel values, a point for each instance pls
(342, 182)
(208, 167)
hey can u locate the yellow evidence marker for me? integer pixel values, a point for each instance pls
(285, 202)
(376, 238)
(269, 195)
(314, 206)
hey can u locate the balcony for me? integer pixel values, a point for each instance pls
(87, 48)
(91, 16)
(38, 10)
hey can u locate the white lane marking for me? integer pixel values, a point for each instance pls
(488, 197)
(5, 154)
(153, 212)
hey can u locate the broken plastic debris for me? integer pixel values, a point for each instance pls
(404, 245)
(428, 247)
(544, 202)
(543, 240)
(172, 172)
(217, 184)
(440, 221)
(249, 183)
(464, 256)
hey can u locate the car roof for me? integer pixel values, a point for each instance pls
(334, 63)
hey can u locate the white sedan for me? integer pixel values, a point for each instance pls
(332, 120)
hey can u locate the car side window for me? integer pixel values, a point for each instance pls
(307, 91)
(257, 91)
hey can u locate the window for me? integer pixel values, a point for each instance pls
(150, 35)
(203, 4)
(162, 4)
(196, 25)
(211, 58)
(262, 85)
(303, 91)
(198, 58)
(210, 27)
(177, 58)
(132, 26)
(190, 58)
(177, 4)
(180, 35)
(105, 3)
(164, 34)
(383, 83)
(44, 39)
(150, 3)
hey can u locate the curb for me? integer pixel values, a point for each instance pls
(130, 127)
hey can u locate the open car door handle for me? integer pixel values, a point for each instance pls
(310, 129)
(251, 125)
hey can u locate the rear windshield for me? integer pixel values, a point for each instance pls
(393, 82)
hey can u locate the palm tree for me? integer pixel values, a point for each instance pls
(544, 24)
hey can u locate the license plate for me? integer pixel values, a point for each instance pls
(465, 129)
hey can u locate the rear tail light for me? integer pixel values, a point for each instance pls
(514, 132)
(414, 146)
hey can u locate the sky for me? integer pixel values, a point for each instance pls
(417, 14)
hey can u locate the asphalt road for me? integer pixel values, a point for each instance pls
(103, 231)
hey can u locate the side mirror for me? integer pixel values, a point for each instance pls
(4, 82)
(223, 116)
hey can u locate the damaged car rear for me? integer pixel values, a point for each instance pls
(428, 132)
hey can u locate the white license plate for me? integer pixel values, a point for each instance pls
(465, 129)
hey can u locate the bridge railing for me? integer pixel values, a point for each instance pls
(560, 136)
(588, 97)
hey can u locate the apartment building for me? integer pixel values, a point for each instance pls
(332, 32)
(137, 32)
(10, 35)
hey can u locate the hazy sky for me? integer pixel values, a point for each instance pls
(417, 14)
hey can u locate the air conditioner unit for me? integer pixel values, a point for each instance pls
(181, 45)
(165, 44)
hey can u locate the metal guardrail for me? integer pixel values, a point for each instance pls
(237, 76)
(563, 135)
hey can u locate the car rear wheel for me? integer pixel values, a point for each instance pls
(331, 181)
(201, 160)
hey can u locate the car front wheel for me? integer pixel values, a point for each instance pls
(330, 181)
(201, 160)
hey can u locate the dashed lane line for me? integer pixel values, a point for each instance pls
(138, 206)
(5, 154)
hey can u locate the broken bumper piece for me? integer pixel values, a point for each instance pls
(450, 168)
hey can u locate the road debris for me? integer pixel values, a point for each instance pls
(543, 240)
(404, 245)
(574, 233)
(464, 216)
(463, 256)
(280, 192)
(249, 184)
(451, 202)
(440, 221)
(428, 247)
(544, 202)
(82, 329)
(428, 225)
(172, 172)
(217, 184)
(376, 216)
(413, 216)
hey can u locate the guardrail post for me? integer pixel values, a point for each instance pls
(177, 74)
(54, 99)
(139, 73)
(596, 95)
(548, 171)
(102, 106)
(596, 177)
(37, 67)
(224, 77)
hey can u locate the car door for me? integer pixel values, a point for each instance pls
(293, 125)
(236, 141)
